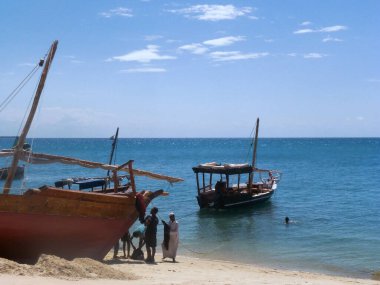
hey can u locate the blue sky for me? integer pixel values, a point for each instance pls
(195, 68)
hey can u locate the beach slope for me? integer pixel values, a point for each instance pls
(188, 270)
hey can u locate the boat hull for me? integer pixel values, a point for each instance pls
(18, 174)
(25, 237)
(216, 201)
(64, 223)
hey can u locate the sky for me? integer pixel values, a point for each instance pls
(194, 68)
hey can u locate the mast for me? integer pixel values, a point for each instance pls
(21, 140)
(113, 148)
(255, 146)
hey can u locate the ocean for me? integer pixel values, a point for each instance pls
(330, 190)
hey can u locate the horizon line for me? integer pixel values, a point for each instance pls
(332, 137)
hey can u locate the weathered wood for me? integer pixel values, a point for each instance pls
(131, 176)
(255, 146)
(113, 148)
(41, 158)
(203, 181)
(21, 140)
(199, 191)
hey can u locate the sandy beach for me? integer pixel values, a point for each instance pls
(188, 270)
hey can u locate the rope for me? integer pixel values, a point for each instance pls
(26, 167)
(17, 90)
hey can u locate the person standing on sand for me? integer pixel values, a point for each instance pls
(126, 239)
(169, 247)
(151, 223)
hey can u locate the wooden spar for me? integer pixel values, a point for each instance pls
(21, 140)
(131, 177)
(203, 181)
(255, 146)
(199, 190)
(41, 158)
(113, 148)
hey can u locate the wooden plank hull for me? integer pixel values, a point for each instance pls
(25, 237)
(221, 201)
(65, 223)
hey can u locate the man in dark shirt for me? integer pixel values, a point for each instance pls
(151, 223)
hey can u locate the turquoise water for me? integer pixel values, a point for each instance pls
(329, 189)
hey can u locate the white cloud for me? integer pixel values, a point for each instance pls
(314, 55)
(333, 29)
(360, 118)
(292, 54)
(330, 29)
(201, 48)
(123, 12)
(153, 37)
(331, 39)
(151, 52)
(144, 70)
(306, 23)
(225, 41)
(82, 117)
(304, 31)
(73, 59)
(235, 55)
(194, 48)
(214, 12)
(28, 64)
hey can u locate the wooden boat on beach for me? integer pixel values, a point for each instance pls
(224, 193)
(67, 223)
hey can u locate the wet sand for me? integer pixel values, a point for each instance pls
(187, 270)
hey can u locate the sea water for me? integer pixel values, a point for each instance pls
(330, 190)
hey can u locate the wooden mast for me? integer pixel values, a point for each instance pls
(113, 148)
(255, 146)
(21, 141)
(254, 156)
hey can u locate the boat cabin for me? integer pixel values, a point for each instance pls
(223, 185)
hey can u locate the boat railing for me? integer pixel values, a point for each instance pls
(206, 188)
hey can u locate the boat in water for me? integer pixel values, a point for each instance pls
(67, 223)
(19, 173)
(233, 185)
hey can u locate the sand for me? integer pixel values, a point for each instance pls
(187, 270)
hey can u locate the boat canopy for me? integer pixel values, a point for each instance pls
(227, 168)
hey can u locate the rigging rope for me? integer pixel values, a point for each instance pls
(26, 167)
(17, 90)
